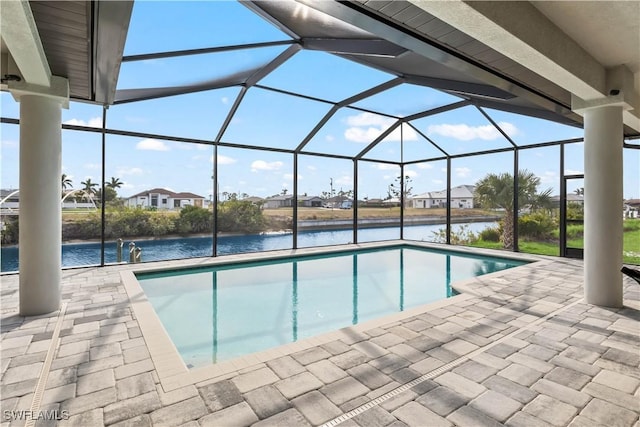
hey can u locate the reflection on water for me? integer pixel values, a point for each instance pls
(193, 247)
(220, 313)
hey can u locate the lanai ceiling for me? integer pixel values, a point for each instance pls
(84, 41)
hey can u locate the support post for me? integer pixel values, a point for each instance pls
(603, 138)
(40, 211)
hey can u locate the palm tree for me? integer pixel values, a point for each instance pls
(114, 183)
(496, 191)
(89, 187)
(66, 182)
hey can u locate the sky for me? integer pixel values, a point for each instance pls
(266, 118)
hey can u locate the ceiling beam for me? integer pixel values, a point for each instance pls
(538, 45)
(374, 47)
(354, 13)
(20, 34)
(110, 33)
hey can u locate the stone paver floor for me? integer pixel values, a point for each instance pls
(523, 351)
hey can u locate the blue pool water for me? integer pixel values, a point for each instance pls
(164, 249)
(218, 313)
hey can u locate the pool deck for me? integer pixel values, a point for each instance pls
(519, 347)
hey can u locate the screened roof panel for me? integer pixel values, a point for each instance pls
(389, 149)
(254, 172)
(574, 158)
(81, 114)
(184, 70)
(197, 115)
(161, 26)
(323, 75)
(460, 131)
(348, 132)
(416, 147)
(406, 99)
(271, 119)
(526, 130)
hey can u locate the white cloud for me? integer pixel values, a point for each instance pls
(261, 165)
(329, 138)
(365, 127)
(408, 133)
(411, 173)
(464, 132)
(94, 122)
(437, 181)
(124, 171)
(386, 167)
(225, 100)
(369, 119)
(151, 144)
(92, 166)
(224, 160)
(312, 168)
(462, 172)
(424, 166)
(509, 128)
(357, 134)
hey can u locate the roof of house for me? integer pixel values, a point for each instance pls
(280, 197)
(570, 198)
(459, 192)
(181, 195)
(186, 195)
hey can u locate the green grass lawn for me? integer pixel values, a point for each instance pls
(631, 243)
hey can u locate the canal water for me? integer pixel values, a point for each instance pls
(78, 254)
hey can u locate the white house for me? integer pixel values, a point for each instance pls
(310, 201)
(162, 198)
(461, 198)
(279, 201)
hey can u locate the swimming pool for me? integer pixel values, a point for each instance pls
(222, 312)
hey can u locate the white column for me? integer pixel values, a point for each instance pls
(40, 213)
(603, 138)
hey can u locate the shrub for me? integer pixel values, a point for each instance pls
(240, 216)
(461, 236)
(194, 219)
(536, 226)
(490, 234)
(9, 233)
(161, 224)
(575, 210)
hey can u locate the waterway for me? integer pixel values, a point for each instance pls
(79, 254)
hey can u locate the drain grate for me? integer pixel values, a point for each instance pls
(46, 368)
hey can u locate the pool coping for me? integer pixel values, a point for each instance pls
(173, 372)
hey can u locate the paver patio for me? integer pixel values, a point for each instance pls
(521, 350)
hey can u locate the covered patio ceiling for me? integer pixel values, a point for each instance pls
(84, 41)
